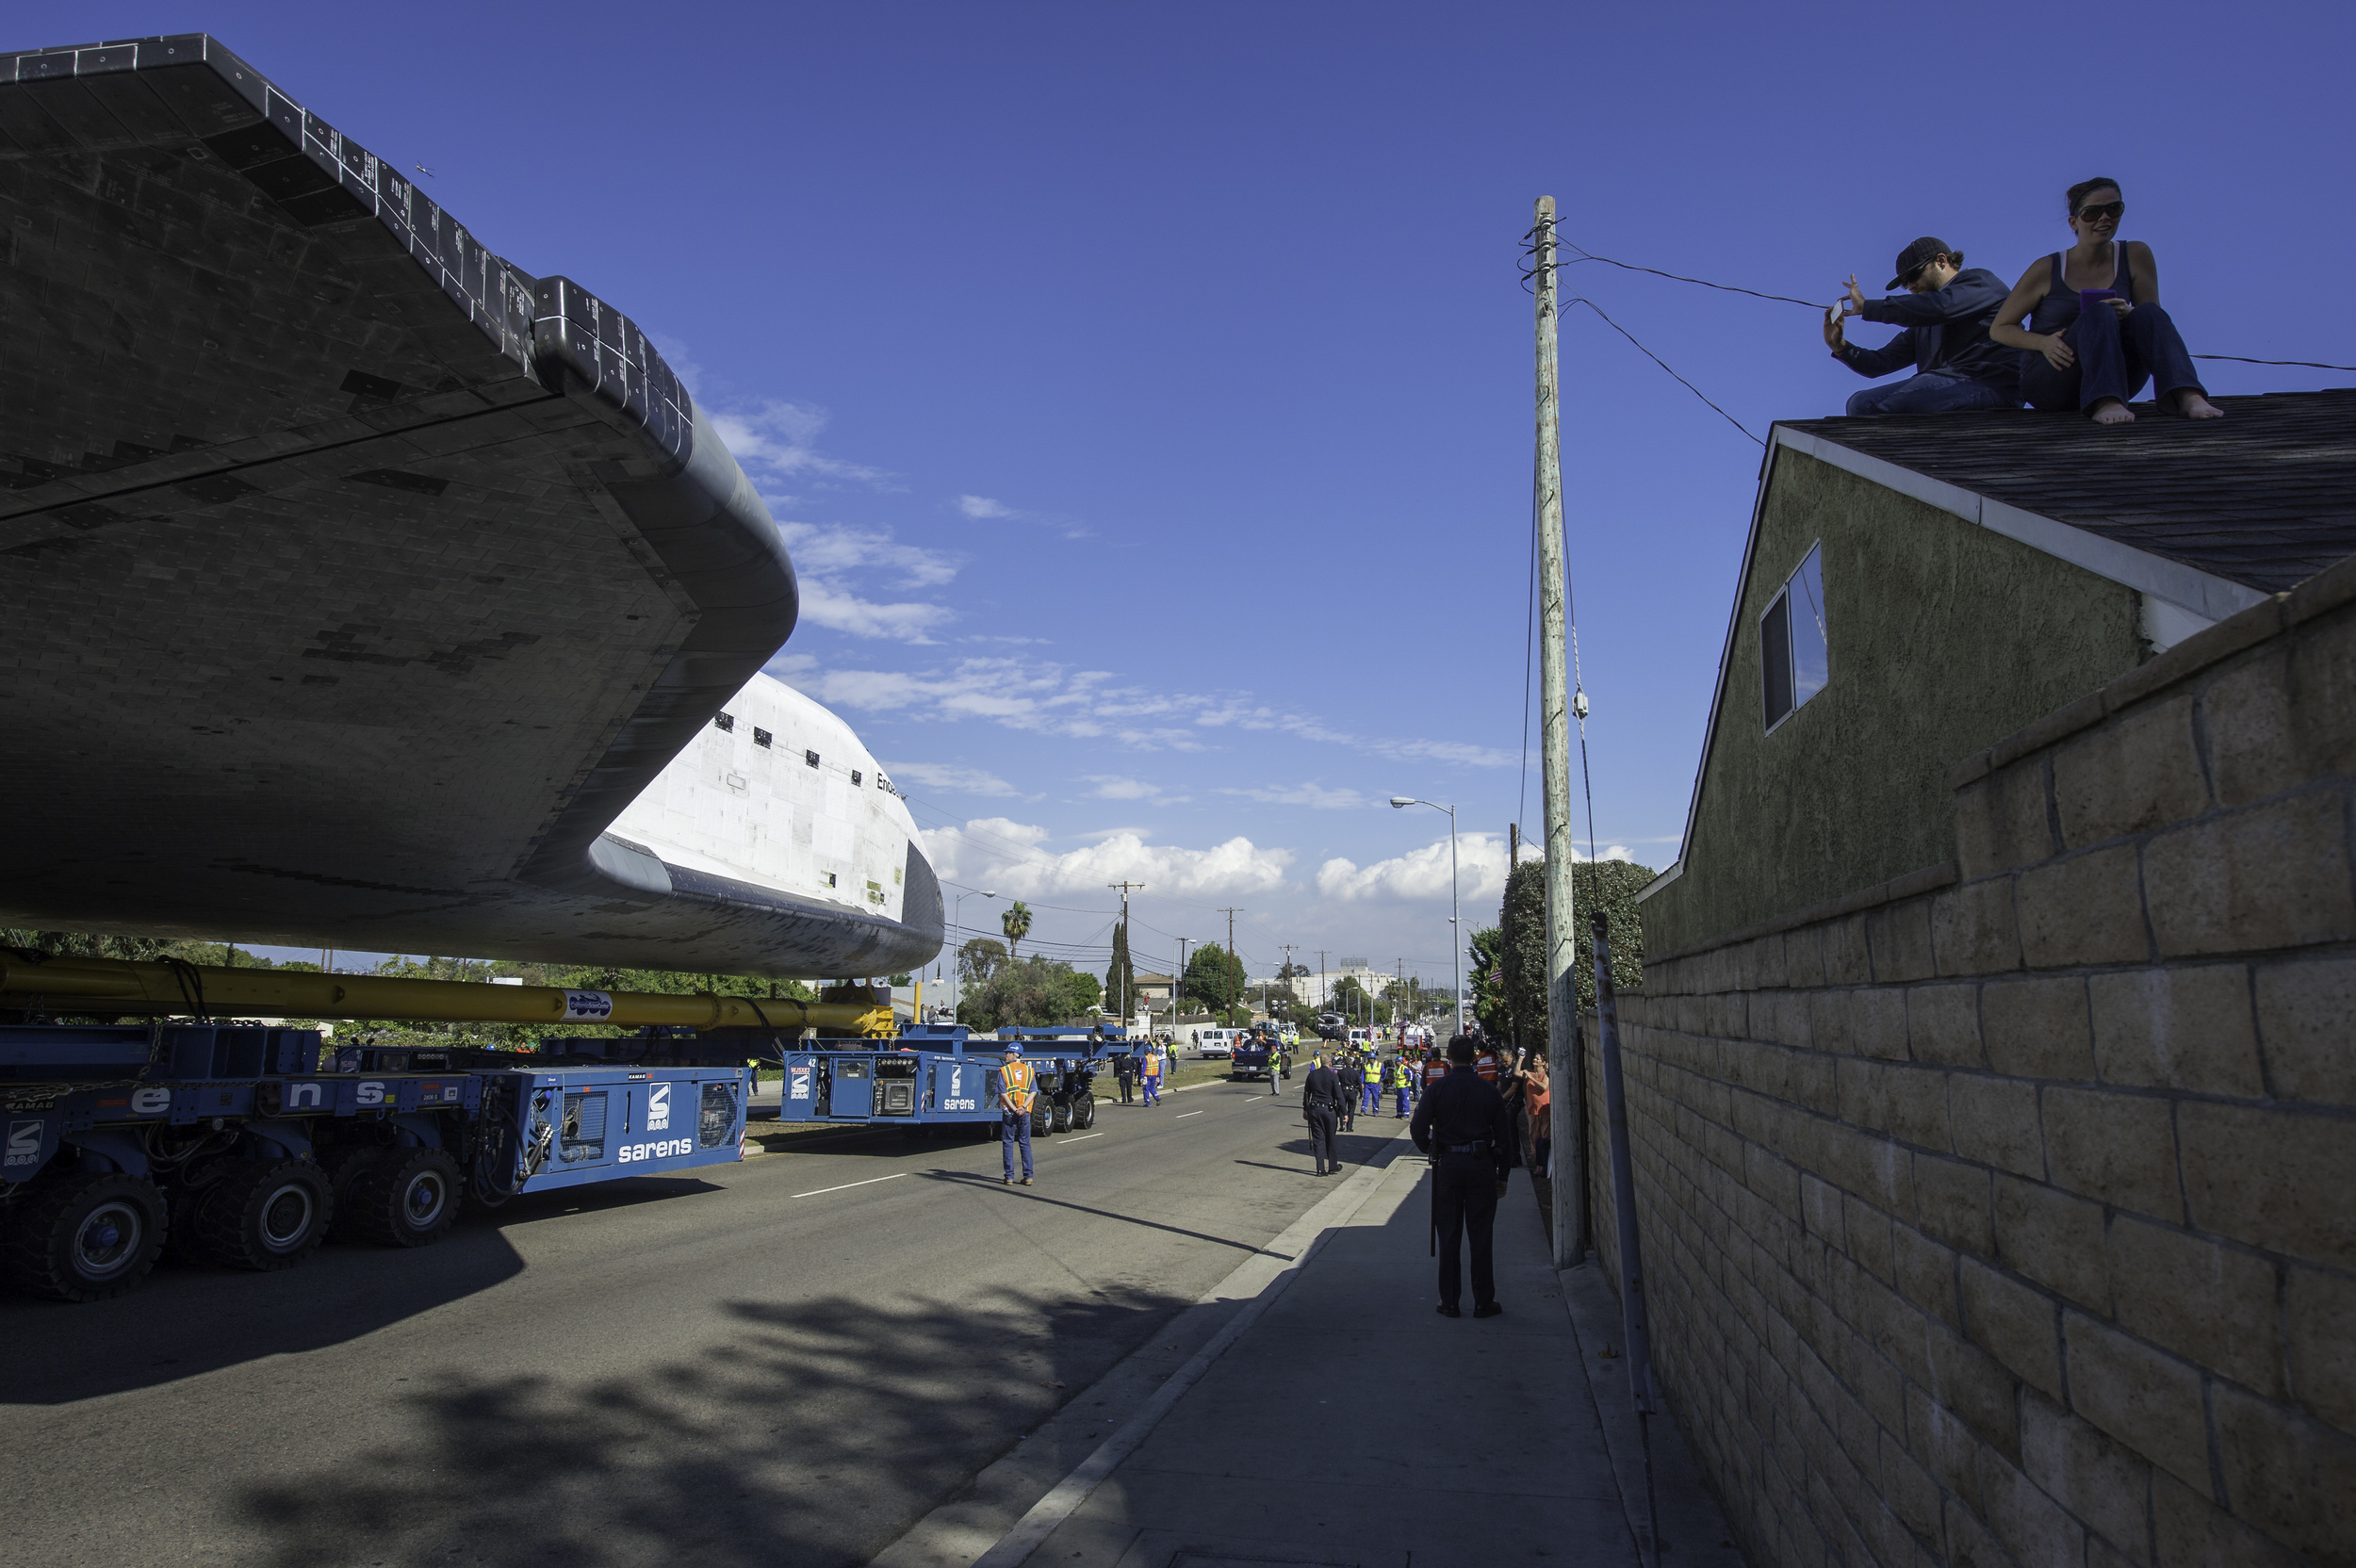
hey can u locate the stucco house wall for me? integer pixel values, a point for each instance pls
(1942, 636)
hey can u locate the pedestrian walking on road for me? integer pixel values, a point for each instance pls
(1018, 1090)
(1153, 1076)
(1461, 1124)
(1321, 1107)
(1125, 1073)
(1352, 1078)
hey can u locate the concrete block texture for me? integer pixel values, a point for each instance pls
(2002, 822)
(2178, 1028)
(2085, 909)
(2275, 1178)
(2010, 1222)
(2146, 1398)
(2306, 1015)
(2273, 876)
(2139, 772)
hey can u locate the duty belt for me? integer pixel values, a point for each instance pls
(1480, 1147)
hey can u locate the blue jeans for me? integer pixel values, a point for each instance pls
(1014, 1129)
(1152, 1089)
(2114, 359)
(1932, 392)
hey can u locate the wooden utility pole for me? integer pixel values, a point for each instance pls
(1232, 998)
(1128, 980)
(1554, 706)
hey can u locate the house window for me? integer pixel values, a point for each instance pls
(1793, 659)
(724, 721)
(762, 737)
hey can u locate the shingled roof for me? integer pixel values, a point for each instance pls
(2265, 498)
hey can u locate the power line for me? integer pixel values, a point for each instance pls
(1676, 277)
(1664, 364)
(2308, 364)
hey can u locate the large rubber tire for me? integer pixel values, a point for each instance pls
(1059, 1118)
(1042, 1118)
(265, 1216)
(189, 1188)
(84, 1237)
(345, 1165)
(1083, 1111)
(407, 1198)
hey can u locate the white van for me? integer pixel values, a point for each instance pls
(1216, 1044)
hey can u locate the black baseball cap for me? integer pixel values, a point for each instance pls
(1912, 258)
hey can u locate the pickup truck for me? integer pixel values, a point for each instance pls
(1256, 1057)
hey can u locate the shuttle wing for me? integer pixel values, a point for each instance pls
(353, 580)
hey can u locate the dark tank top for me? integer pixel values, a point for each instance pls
(2058, 310)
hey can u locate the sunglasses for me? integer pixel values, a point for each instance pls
(2100, 210)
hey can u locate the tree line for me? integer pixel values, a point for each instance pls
(1508, 978)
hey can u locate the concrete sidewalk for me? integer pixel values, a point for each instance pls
(1348, 1423)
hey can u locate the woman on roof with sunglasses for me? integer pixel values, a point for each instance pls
(2096, 332)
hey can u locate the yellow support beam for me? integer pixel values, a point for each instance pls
(110, 985)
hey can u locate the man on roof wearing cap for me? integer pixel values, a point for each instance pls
(1017, 1089)
(1945, 312)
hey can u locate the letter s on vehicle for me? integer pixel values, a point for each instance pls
(371, 1094)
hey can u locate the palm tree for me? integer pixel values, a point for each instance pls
(1016, 924)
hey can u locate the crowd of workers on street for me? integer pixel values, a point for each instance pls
(1476, 1109)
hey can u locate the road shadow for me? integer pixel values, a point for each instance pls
(187, 1319)
(815, 1433)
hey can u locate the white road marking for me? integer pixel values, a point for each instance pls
(846, 1186)
(1181, 1116)
(1083, 1137)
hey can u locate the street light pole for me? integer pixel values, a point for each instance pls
(1455, 930)
(956, 971)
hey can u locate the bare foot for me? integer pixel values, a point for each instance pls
(2110, 411)
(2192, 405)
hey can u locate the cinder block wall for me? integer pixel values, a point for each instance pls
(2006, 1212)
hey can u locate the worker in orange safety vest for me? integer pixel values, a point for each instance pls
(1018, 1090)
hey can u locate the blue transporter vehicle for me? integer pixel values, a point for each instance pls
(247, 1145)
(935, 1076)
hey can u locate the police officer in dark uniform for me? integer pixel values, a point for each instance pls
(1462, 1123)
(1350, 1080)
(1320, 1104)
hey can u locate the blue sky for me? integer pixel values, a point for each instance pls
(1145, 388)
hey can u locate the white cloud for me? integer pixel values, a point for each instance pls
(951, 777)
(1004, 855)
(1315, 796)
(839, 548)
(822, 552)
(1423, 873)
(983, 509)
(1042, 697)
(778, 438)
(1115, 787)
(839, 609)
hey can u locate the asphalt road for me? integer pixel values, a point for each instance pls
(739, 1367)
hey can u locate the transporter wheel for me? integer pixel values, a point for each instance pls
(185, 1198)
(267, 1214)
(1042, 1118)
(407, 1198)
(84, 1237)
(1059, 1118)
(1083, 1111)
(345, 1166)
